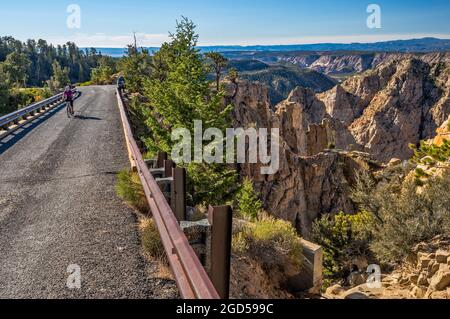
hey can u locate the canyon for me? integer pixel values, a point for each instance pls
(364, 123)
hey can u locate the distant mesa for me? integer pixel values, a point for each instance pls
(414, 45)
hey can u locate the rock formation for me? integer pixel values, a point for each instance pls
(307, 183)
(424, 275)
(382, 111)
(326, 137)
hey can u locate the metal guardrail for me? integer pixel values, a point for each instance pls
(15, 117)
(192, 279)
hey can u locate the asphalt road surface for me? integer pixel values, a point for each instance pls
(58, 208)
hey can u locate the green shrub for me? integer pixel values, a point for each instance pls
(88, 83)
(344, 238)
(103, 74)
(273, 242)
(248, 204)
(404, 212)
(129, 188)
(210, 184)
(431, 154)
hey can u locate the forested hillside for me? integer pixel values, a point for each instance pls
(41, 66)
(281, 78)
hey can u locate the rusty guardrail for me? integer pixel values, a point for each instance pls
(12, 121)
(192, 279)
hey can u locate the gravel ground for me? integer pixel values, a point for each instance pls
(58, 207)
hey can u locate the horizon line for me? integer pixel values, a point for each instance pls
(155, 41)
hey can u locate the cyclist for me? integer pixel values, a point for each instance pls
(68, 97)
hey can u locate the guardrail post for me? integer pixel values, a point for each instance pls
(169, 165)
(221, 220)
(161, 158)
(179, 193)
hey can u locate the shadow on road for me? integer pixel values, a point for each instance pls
(92, 118)
(10, 140)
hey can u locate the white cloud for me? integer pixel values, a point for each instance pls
(102, 40)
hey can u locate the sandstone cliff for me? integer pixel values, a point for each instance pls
(382, 111)
(326, 137)
(342, 63)
(308, 183)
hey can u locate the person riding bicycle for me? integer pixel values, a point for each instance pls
(68, 95)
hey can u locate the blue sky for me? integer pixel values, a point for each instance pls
(110, 23)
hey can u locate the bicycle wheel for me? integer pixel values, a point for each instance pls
(68, 109)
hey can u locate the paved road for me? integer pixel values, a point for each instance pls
(58, 207)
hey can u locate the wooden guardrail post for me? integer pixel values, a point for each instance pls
(179, 193)
(160, 160)
(169, 165)
(221, 220)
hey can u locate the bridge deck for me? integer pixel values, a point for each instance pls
(58, 207)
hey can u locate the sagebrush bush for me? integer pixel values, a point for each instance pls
(129, 188)
(271, 241)
(405, 213)
(343, 238)
(247, 201)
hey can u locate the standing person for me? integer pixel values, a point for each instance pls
(121, 84)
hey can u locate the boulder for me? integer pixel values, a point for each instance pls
(423, 278)
(335, 290)
(355, 295)
(433, 267)
(442, 256)
(413, 278)
(418, 292)
(394, 162)
(440, 281)
(423, 263)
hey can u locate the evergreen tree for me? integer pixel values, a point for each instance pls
(16, 68)
(103, 74)
(4, 94)
(219, 62)
(179, 93)
(60, 77)
(136, 67)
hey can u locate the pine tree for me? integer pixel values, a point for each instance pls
(59, 79)
(180, 93)
(219, 62)
(16, 68)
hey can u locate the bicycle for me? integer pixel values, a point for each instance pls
(69, 108)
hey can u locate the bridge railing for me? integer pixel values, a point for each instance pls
(190, 275)
(15, 117)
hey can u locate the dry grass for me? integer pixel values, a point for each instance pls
(129, 189)
(153, 247)
(271, 251)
